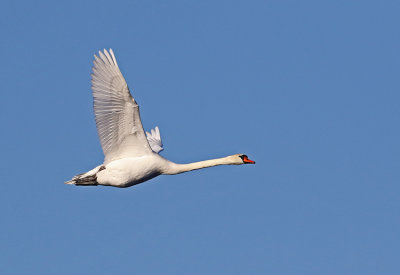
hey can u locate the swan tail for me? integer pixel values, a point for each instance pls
(87, 179)
(79, 180)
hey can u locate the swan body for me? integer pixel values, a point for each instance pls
(131, 155)
(130, 171)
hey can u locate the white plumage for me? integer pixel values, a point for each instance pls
(117, 113)
(131, 156)
(154, 140)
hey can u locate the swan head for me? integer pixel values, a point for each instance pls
(242, 159)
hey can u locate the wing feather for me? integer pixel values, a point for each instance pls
(117, 113)
(154, 139)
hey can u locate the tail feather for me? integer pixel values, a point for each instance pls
(89, 178)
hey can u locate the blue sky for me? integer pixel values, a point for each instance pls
(308, 89)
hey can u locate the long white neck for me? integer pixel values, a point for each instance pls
(175, 168)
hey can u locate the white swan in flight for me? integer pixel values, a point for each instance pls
(131, 156)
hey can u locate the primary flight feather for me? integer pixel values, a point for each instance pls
(131, 155)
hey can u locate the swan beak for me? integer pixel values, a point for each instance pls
(248, 161)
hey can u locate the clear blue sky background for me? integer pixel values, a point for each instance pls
(308, 89)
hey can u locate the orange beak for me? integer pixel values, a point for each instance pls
(248, 161)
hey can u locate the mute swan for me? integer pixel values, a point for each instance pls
(131, 156)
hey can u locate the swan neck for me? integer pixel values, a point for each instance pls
(175, 168)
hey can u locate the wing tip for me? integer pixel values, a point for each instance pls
(106, 56)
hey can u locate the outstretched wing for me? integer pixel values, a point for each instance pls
(116, 111)
(154, 140)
